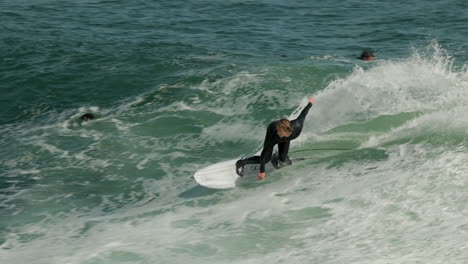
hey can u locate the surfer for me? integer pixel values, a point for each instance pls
(280, 133)
(366, 55)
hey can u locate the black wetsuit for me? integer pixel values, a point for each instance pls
(272, 138)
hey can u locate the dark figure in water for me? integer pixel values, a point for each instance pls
(366, 55)
(279, 133)
(87, 117)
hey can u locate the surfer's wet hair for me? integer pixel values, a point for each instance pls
(284, 125)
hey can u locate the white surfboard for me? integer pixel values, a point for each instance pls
(223, 175)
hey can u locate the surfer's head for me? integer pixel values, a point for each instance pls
(367, 55)
(87, 117)
(284, 128)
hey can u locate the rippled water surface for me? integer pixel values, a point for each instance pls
(179, 85)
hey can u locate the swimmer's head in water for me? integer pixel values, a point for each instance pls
(367, 55)
(87, 117)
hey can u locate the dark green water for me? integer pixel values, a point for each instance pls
(179, 85)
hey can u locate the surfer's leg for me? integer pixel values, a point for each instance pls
(283, 149)
(242, 162)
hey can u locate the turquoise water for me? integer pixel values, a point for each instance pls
(179, 85)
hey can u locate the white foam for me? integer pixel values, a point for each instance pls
(421, 83)
(232, 131)
(345, 209)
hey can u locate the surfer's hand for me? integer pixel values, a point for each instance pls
(261, 176)
(312, 100)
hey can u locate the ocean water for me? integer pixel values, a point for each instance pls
(179, 85)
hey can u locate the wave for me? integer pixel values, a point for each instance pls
(427, 84)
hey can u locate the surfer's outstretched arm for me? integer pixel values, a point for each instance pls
(305, 111)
